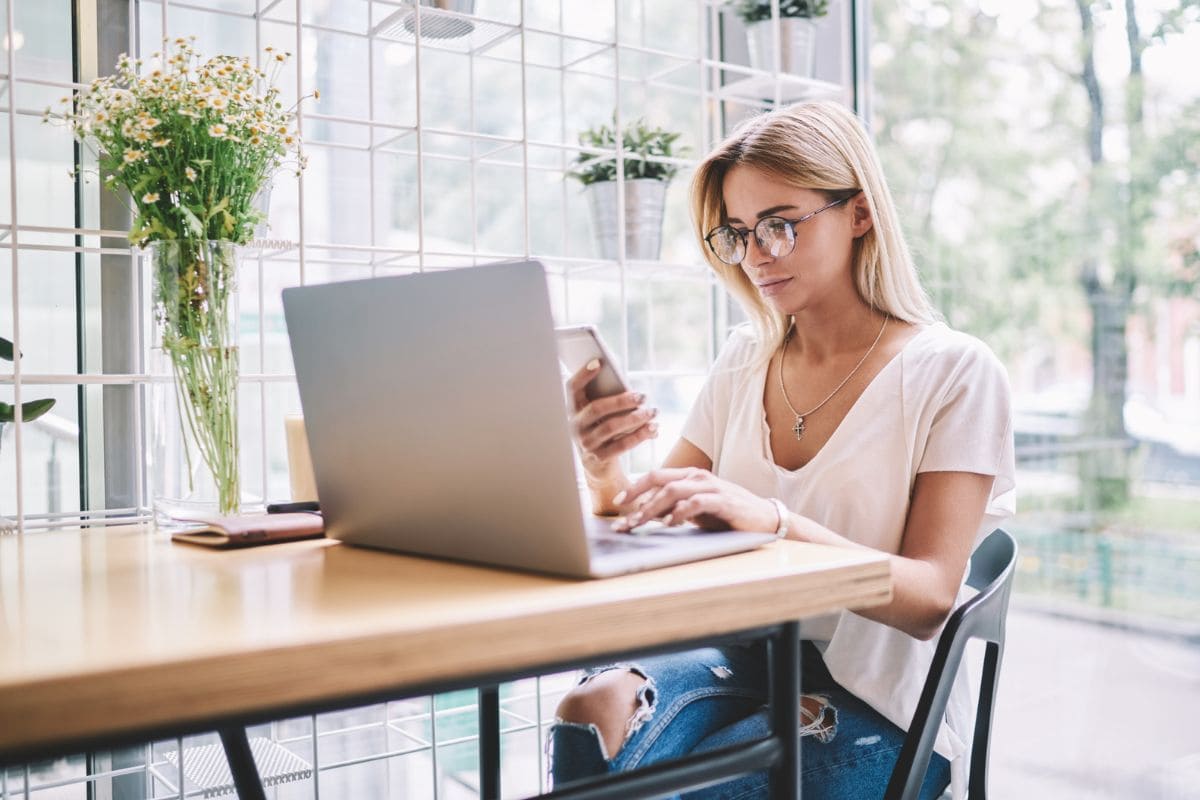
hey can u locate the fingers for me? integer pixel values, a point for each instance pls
(580, 403)
(706, 509)
(656, 478)
(616, 447)
(666, 501)
(617, 426)
(592, 412)
(579, 381)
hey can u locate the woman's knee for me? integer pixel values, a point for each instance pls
(610, 700)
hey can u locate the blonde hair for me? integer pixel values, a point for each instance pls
(821, 146)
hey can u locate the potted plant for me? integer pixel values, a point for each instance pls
(193, 145)
(797, 33)
(646, 182)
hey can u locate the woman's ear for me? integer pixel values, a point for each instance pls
(860, 215)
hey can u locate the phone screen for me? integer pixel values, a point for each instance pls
(577, 346)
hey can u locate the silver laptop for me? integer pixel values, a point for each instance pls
(436, 419)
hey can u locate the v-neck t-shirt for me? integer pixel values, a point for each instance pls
(942, 404)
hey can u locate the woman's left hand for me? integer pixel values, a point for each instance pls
(690, 494)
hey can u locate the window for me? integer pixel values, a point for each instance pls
(1055, 219)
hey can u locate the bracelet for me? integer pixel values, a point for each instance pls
(781, 510)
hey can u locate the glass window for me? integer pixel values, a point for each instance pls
(1044, 158)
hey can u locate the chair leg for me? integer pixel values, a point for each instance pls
(977, 785)
(241, 764)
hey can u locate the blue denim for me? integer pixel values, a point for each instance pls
(714, 697)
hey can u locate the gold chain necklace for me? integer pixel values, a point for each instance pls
(798, 427)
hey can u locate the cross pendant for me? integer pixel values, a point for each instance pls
(798, 428)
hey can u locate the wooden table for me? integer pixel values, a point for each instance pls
(116, 636)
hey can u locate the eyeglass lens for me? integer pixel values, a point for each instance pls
(773, 234)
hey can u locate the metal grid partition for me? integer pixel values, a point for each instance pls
(440, 139)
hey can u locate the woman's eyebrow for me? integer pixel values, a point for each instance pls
(766, 212)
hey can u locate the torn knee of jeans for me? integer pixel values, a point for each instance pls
(591, 675)
(647, 696)
(646, 699)
(817, 717)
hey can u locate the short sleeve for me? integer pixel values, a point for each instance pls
(705, 424)
(971, 429)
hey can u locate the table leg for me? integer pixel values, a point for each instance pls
(489, 743)
(241, 764)
(785, 710)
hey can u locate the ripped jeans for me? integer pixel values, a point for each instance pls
(714, 697)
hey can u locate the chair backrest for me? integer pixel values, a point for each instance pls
(981, 617)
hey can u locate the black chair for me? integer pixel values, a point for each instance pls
(981, 617)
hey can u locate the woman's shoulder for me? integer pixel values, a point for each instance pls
(938, 342)
(943, 355)
(741, 346)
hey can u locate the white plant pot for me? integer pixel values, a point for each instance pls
(798, 37)
(645, 199)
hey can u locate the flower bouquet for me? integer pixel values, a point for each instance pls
(192, 145)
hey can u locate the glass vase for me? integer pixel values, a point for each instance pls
(193, 405)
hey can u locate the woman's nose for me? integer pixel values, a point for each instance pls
(756, 254)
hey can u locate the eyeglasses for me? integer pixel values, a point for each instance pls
(775, 235)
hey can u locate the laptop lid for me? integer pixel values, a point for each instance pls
(435, 415)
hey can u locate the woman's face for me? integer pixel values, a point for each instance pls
(816, 273)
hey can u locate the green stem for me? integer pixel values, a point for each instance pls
(195, 288)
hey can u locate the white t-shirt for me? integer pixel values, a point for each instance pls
(940, 405)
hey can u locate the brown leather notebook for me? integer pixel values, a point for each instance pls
(250, 530)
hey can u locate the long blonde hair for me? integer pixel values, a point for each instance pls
(821, 146)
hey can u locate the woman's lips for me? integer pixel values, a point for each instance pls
(774, 287)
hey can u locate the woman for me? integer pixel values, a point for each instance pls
(847, 415)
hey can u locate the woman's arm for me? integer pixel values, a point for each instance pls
(943, 518)
(686, 454)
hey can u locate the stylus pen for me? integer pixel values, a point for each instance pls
(287, 508)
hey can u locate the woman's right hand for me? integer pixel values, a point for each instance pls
(607, 426)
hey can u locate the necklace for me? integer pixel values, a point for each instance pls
(798, 427)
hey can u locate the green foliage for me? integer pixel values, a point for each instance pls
(640, 143)
(192, 144)
(194, 285)
(30, 410)
(758, 10)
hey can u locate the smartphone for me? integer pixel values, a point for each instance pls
(579, 344)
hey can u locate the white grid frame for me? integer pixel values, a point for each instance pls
(754, 89)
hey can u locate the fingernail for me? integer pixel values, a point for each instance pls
(639, 397)
(593, 365)
(653, 428)
(653, 413)
(636, 519)
(620, 497)
(669, 519)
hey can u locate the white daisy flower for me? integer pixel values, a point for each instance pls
(150, 197)
(218, 131)
(190, 173)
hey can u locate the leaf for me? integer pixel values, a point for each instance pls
(6, 349)
(217, 209)
(29, 411)
(195, 226)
